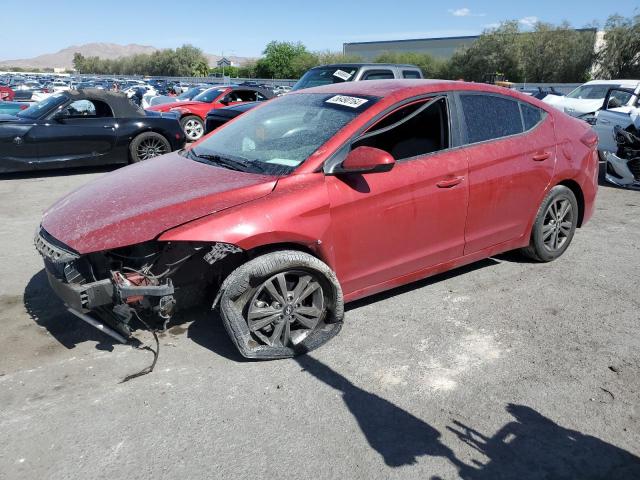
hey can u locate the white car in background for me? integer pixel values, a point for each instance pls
(587, 98)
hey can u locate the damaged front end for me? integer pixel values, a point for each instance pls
(146, 281)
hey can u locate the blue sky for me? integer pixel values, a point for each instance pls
(243, 28)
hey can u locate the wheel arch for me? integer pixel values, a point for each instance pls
(577, 191)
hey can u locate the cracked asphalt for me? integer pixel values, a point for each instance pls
(502, 369)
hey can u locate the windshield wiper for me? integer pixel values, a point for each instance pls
(231, 163)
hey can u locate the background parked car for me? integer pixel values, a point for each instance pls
(84, 128)
(220, 116)
(618, 108)
(353, 72)
(587, 98)
(193, 113)
(11, 108)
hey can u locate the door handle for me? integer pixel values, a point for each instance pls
(108, 126)
(603, 121)
(539, 157)
(449, 182)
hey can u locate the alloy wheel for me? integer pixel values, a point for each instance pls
(558, 224)
(151, 147)
(286, 308)
(193, 129)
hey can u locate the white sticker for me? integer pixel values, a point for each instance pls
(342, 75)
(353, 102)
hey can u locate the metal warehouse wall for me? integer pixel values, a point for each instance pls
(437, 47)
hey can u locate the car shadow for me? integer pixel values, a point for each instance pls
(487, 262)
(48, 311)
(62, 172)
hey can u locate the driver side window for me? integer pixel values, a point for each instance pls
(79, 108)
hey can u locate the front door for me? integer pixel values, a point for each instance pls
(84, 133)
(386, 225)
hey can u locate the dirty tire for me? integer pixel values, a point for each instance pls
(148, 145)
(544, 231)
(193, 127)
(243, 285)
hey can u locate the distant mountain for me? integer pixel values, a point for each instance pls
(64, 57)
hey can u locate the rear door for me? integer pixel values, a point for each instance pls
(512, 154)
(616, 110)
(83, 133)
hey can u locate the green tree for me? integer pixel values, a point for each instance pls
(620, 55)
(282, 60)
(200, 69)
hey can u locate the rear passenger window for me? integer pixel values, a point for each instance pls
(378, 75)
(531, 116)
(490, 116)
(410, 74)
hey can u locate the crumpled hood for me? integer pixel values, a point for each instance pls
(137, 203)
(573, 106)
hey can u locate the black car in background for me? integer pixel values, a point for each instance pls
(220, 116)
(85, 128)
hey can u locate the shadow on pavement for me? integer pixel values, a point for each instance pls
(48, 311)
(533, 447)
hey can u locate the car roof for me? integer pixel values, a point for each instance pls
(405, 87)
(613, 82)
(118, 101)
(358, 65)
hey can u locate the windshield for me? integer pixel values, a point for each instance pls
(209, 96)
(189, 94)
(324, 76)
(591, 92)
(277, 137)
(38, 109)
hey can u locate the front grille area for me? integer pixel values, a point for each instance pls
(634, 166)
(52, 249)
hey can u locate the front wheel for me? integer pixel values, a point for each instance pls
(193, 127)
(281, 304)
(554, 226)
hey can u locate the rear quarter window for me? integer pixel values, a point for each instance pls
(488, 117)
(410, 74)
(531, 116)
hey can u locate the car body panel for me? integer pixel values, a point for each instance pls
(577, 107)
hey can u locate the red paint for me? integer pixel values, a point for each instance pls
(375, 230)
(190, 107)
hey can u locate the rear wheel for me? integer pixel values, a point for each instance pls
(193, 127)
(148, 145)
(554, 226)
(281, 304)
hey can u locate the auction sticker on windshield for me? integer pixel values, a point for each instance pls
(353, 102)
(342, 75)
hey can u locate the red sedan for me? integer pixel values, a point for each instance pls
(317, 198)
(194, 112)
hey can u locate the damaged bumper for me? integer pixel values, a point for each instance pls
(139, 281)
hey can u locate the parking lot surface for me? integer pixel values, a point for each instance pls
(502, 369)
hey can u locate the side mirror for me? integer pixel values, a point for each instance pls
(367, 160)
(225, 101)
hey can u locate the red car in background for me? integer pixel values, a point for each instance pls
(6, 93)
(317, 198)
(194, 112)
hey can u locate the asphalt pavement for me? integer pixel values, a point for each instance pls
(502, 369)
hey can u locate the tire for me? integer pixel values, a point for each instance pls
(554, 226)
(193, 127)
(148, 145)
(244, 305)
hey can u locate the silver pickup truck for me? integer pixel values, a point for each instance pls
(353, 72)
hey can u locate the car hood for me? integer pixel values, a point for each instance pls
(137, 203)
(573, 106)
